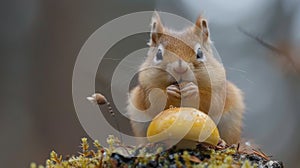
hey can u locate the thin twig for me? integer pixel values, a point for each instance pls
(271, 47)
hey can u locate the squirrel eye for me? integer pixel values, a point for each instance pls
(200, 55)
(159, 54)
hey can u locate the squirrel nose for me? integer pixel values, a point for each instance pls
(181, 68)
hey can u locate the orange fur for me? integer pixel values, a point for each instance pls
(209, 75)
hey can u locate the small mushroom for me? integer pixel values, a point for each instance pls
(97, 98)
(174, 123)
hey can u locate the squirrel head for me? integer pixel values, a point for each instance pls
(180, 56)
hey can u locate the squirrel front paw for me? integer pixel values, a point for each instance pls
(185, 96)
(173, 96)
(190, 90)
(173, 92)
(190, 95)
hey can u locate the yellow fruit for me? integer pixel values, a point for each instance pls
(183, 124)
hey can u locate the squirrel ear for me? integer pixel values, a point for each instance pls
(156, 28)
(202, 28)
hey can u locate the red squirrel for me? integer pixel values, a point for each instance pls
(168, 67)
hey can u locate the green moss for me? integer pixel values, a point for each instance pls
(101, 157)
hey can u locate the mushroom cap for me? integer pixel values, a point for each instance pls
(183, 123)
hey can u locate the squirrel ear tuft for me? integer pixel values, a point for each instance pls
(202, 28)
(156, 28)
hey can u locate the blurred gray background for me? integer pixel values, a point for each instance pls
(40, 40)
